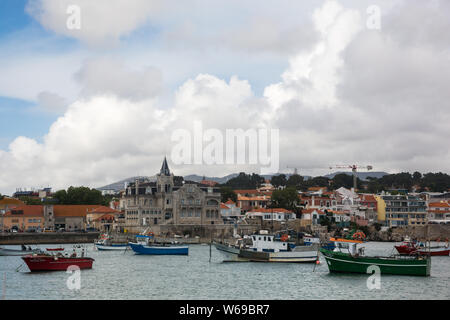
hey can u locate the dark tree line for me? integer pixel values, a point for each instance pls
(433, 182)
(81, 195)
(245, 181)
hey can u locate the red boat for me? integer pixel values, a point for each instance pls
(55, 249)
(47, 262)
(411, 248)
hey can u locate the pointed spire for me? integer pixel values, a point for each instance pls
(165, 168)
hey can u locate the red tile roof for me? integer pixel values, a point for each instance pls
(439, 205)
(106, 217)
(269, 210)
(73, 210)
(312, 210)
(27, 210)
(102, 209)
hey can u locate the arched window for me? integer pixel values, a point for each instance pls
(212, 202)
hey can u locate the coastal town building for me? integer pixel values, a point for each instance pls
(404, 210)
(230, 212)
(163, 201)
(439, 212)
(47, 217)
(103, 219)
(272, 214)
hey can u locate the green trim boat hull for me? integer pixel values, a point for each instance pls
(344, 262)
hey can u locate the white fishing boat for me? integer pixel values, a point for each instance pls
(264, 248)
(107, 245)
(18, 252)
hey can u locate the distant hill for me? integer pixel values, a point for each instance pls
(120, 185)
(197, 178)
(360, 175)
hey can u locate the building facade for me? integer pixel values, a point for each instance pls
(163, 201)
(404, 210)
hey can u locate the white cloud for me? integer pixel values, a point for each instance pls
(111, 76)
(103, 22)
(355, 96)
(51, 102)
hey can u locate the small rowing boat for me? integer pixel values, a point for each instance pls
(143, 246)
(16, 252)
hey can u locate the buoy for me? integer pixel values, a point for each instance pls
(317, 261)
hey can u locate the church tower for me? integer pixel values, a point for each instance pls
(164, 179)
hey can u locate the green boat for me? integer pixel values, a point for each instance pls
(347, 259)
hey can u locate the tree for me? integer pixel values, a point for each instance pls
(227, 193)
(344, 180)
(286, 198)
(178, 180)
(294, 180)
(279, 180)
(80, 195)
(245, 181)
(417, 176)
(30, 200)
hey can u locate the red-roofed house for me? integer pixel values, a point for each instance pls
(102, 218)
(248, 203)
(230, 212)
(439, 210)
(312, 215)
(24, 218)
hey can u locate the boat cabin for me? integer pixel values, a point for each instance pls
(267, 243)
(142, 239)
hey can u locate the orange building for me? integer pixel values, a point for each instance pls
(24, 218)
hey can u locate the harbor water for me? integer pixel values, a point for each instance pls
(124, 275)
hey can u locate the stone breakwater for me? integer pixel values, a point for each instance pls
(47, 238)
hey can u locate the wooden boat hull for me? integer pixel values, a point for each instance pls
(159, 250)
(408, 250)
(52, 263)
(112, 247)
(230, 253)
(12, 252)
(298, 255)
(344, 262)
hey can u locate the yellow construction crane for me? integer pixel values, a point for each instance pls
(354, 168)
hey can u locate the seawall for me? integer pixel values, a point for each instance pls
(47, 238)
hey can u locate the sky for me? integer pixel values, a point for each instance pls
(341, 81)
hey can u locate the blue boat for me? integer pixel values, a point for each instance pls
(142, 246)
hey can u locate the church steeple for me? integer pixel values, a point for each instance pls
(165, 168)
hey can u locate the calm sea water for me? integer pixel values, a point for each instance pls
(119, 275)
